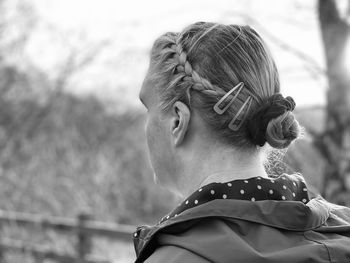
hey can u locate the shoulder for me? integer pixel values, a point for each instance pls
(209, 240)
(174, 254)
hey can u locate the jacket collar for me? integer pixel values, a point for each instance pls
(285, 187)
(287, 215)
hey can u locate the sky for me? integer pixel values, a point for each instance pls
(128, 29)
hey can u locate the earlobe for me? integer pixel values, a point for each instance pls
(180, 122)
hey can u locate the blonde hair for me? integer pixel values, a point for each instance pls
(206, 60)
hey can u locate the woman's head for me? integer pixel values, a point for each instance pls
(202, 64)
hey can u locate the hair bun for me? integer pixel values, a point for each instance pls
(281, 131)
(274, 122)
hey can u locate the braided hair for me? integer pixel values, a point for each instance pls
(204, 62)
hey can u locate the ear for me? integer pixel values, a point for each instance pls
(180, 120)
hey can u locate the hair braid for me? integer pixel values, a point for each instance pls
(183, 66)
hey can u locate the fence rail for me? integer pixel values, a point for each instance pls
(82, 227)
(41, 253)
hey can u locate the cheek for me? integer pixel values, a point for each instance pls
(157, 145)
(149, 134)
(152, 136)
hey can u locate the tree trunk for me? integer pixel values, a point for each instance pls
(336, 138)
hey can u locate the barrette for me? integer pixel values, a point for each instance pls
(236, 127)
(217, 108)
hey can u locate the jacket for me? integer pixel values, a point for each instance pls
(230, 231)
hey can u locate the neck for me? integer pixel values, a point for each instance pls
(220, 166)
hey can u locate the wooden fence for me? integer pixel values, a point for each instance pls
(82, 227)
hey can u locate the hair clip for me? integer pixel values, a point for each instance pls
(220, 111)
(236, 127)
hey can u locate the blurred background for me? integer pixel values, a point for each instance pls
(72, 143)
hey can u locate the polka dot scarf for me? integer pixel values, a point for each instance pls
(285, 187)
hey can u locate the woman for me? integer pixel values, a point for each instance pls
(212, 94)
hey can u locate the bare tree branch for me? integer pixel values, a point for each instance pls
(311, 65)
(76, 62)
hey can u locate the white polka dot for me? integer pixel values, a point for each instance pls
(246, 181)
(271, 192)
(272, 181)
(186, 202)
(135, 234)
(224, 196)
(283, 197)
(304, 200)
(304, 189)
(284, 178)
(200, 190)
(229, 184)
(293, 194)
(253, 199)
(242, 191)
(175, 215)
(294, 184)
(212, 192)
(195, 202)
(259, 186)
(284, 187)
(259, 178)
(167, 217)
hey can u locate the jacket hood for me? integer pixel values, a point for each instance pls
(286, 215)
